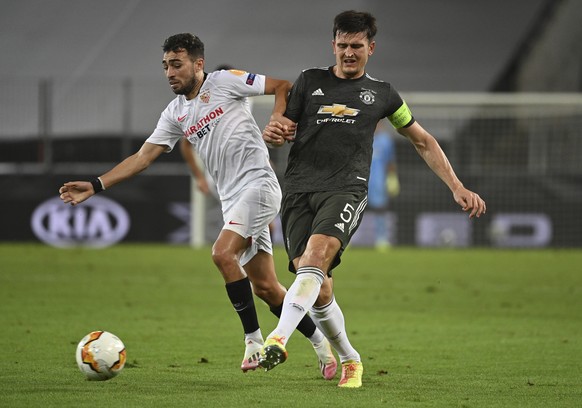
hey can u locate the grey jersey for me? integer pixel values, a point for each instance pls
(336, 119)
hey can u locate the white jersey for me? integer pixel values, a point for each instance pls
(220, 125)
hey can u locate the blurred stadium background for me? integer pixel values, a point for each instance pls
(498, 83)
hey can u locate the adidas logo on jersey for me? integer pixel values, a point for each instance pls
(317, 92)
(340, 226)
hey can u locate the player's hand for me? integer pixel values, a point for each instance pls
(279, 130)
(470, 201)
(75, 192)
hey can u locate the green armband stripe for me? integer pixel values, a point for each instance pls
(401, 117)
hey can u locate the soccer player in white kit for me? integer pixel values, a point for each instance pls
(211, 112)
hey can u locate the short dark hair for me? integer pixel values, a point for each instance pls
(355, 22)
(185, 41)
(225, 67)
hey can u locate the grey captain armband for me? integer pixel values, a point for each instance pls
(97, 185)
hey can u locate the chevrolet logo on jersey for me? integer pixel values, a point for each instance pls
(338, 110)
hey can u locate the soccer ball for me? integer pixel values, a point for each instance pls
(100, 355)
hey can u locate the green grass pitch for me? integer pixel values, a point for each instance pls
(435, 328)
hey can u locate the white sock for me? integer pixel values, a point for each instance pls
(330, 320)
(256, 336)
(299, 299)
(316, 338)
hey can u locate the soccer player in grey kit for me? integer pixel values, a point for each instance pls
(336, 110)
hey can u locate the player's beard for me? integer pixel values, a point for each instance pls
(187, 88)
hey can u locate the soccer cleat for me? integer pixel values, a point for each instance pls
(273, 353)
(351, 374)
(251, 360)
(327, 361)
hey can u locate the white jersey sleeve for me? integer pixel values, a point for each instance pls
(240, 83)
(167, 131)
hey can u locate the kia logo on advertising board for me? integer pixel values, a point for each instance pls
(98, 222)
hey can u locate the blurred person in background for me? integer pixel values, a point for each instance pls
(211, 112)
(203, 179)
(383, 185)
(336, 110)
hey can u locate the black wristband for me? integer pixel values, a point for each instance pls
(97, 186)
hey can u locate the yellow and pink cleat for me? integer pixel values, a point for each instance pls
(351, 374)
(273, 353)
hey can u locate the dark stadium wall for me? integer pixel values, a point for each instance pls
(157, 209)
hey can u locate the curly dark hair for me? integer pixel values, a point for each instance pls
(355, 22)
(185, 41)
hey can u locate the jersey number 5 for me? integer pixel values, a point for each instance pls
(347, 213)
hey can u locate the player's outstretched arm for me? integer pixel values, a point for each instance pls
(279, 129)
(280, 88)
(75, 192)
(429, 149)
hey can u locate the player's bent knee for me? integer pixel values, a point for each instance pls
(325, 296)
(223, 258)
(272, 294)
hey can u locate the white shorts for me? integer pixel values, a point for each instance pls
(250, 213)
